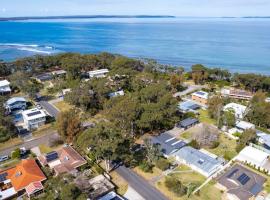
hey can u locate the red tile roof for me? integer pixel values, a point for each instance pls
(25, 173)
(34, 187)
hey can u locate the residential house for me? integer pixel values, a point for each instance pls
(101, 73)
(236, 94)
(238, 109)
(4, 87)
(117, 93)
(15, 103)
(200, 97)
(111, 196)
(200, 161)
(243, 125)
(263, 138)
(33, 118)
(43, 77)
(65, 160)
(188, 106)
(168, 144)
(240, 183)
(187, 123)
(24, 177)
(59, 73)
(256, 157)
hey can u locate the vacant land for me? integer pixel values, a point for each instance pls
(189, 177)
(204, 117)
(148, 176)
(121, 184)
(63, 106)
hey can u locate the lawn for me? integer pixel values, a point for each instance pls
(44, 130)
(208, 192)
(204, 117)
(11, 143)
(63, 106)
(9, 163)
(45, 149)
(186, 135)
(121, 184)
(226, 147)
(148, 176)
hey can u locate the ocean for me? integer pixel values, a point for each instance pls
(237, 44)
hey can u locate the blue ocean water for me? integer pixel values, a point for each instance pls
(240, 45)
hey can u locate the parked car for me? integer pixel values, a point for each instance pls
(3, 158)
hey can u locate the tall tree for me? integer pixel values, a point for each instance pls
(106, 142)
(69, 125)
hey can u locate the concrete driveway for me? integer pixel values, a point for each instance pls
(131, 194)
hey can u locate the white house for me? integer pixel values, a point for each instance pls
(34, 118)
(5, 87)
(243, 125)
(101, 73)
(117, 93)
(15, 103)
(255, 157)
(238, 109)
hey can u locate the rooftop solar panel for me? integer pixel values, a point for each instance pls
(243, 179)
(3, 176)
(33, 113)
(51, 156)
(200, 93)
(232, 173)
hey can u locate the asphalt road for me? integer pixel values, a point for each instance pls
(49, 108)
(30, 144)
(140, 185)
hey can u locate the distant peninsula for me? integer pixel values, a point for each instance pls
(83, 17)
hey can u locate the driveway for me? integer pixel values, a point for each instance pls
(31, 143)
(140, 185)
(52, 110)
(131, 194)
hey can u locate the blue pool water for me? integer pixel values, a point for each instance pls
(240, 45)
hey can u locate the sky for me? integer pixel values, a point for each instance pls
(189, 8)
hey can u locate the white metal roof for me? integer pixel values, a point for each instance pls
(239, 109)
(201, 94)
(253, 155)
(33, 114)
(15, 99)
(100, 71)
(245, 125)
(4, 83)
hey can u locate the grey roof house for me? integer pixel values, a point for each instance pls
(199, 161)
(15, 103)
(188, 106)
(187, 123)
(241, 183)
(168, 144)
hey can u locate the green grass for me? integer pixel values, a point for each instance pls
(9, 163)
(63, 106)
(226, 147)
(45, 149)
(204, 117)
(208, 192)
(186, 135)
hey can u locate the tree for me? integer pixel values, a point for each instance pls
(177, 82)
(228, 118)
(246, 137)
(259, 111)
(162, 164)
(106, 142)
(153, 151)
(215, 106)
(16, 153)
(124, 112)
(175, 185)
(69, 125)
(199, 74)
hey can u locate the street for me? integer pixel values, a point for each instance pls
(191, 88)
(139, 184)
(30, 144)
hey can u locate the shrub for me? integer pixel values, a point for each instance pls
(16, 153)
(162, 164)
(215, 144)
(146, 167)
(175, 186)
(194, 144)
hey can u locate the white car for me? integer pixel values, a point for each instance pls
(3, 158)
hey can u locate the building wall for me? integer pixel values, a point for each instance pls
(199, 99)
